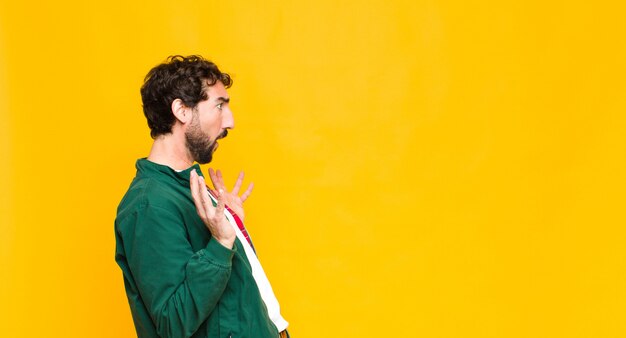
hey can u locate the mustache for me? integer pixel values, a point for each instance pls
(223, 134)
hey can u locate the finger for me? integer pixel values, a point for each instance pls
(205, 199)
(219, 211)
(247, 193)
(238, 184)
(214, 180)
(193, 181)
(221, 180)
(192, 184)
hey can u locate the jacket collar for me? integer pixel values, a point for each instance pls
(151, 169)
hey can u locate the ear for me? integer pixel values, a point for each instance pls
(181, 112)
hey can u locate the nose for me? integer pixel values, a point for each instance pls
(228, 122)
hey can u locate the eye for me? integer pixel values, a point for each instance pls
(219, 106)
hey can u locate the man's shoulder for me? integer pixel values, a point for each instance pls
(150, 211)
(149, 192)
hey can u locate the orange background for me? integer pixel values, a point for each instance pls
(422, 168)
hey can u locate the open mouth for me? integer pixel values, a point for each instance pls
(223, 134)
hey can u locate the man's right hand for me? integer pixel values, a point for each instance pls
(213, 217)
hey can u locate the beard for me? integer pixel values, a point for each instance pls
(199, 144)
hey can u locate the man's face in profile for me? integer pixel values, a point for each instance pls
(210, 122)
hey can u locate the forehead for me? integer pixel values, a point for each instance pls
(216, 91)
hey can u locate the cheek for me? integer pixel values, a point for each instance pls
(211, 125)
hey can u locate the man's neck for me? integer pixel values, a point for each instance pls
(171, 151)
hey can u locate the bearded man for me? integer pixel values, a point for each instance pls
(189, 266)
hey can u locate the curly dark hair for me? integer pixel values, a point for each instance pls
(179, 77)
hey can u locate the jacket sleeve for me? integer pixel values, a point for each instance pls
(179, 287)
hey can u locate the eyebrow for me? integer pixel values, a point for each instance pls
(224, 99)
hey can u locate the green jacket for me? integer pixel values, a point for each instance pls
(180, 282)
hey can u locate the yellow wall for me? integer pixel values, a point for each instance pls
(444, 168)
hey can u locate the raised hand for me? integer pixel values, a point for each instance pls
(232, 198)
(213, 217)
